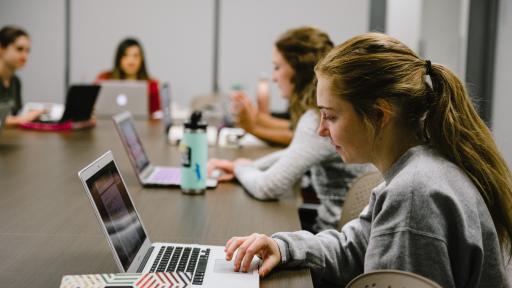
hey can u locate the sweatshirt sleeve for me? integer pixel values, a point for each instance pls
(305, 150)
(333, 256)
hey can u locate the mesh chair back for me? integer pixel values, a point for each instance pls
(391, 279)
(358, 195)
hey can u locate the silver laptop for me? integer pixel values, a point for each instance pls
(165, 99)
(117, 96)
(129, 242)
(147, 174)
(5, 110)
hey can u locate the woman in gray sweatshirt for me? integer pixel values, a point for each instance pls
(274, 176)
(443, 210)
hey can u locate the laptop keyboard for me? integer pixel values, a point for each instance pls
(182, 259)
(166, 176)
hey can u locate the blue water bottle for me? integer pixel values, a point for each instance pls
(194, 154)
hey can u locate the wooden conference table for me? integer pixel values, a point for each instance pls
(48, 228)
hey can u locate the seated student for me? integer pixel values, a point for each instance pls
(14, 50)
(275, 175)
(443, 210)
(130, 64)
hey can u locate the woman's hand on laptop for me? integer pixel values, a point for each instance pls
(30, 116)
(227, 167)
(254, 245)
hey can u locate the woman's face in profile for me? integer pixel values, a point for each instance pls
(282, 74)
(339, 122)
(15, 55)
(131, 61)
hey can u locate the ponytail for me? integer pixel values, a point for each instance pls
(456, 130)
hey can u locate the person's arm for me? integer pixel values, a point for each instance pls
(13, 121)
(270, 129)
(333, 256)
(277, 136)
(267, 120)
(306, 150)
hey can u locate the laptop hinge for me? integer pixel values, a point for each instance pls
(147, 172)
(145, 260)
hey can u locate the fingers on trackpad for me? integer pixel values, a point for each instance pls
(223, 266)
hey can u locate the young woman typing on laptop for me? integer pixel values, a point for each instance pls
(275, 175)
(130, 64)
(14, 51)
(443, 210)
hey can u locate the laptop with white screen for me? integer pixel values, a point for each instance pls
(147, 174)
(129, 242)
(117, 96)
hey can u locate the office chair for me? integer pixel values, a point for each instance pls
(391, 279)
(358, 195)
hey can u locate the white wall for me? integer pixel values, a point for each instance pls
(502, 104)
(177, 37)
(403, 21)
(249, 29)
(444, 33)
(43, 76)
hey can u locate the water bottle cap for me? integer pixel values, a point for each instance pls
(195, 121)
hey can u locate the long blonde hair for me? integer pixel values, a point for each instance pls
(302, 48)
(376, 66)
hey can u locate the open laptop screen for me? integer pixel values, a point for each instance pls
(135, 150)
(117, 213)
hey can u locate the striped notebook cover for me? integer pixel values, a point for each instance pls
(135, 280)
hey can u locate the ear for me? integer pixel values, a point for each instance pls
(386, 111)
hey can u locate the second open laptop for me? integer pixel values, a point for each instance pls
(135, 253)
(147, 174)
(80, 101)
(117, 96)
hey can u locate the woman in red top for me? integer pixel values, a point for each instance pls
(130, 64)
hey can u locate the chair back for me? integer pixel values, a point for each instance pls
(391, 279)
(358, 195)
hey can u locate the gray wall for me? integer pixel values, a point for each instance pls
(43, 76)
(249, 29)
(177, 37)
(448, 47)
(502, 127)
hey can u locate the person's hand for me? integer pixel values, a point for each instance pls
(30, 116)
(227, 167)
(254, 245)
(246, 114)
(263, 96)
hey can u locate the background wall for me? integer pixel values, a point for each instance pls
(403, 21)
(43, 76)
(177, 37)
(250, 28)
(502, 128)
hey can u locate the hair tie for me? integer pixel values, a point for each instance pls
(428, 66)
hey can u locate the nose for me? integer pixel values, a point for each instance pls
(274, 77)
(322, 129)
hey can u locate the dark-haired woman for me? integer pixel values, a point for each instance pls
(14, 51)
(130, 64)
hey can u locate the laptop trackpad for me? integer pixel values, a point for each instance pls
(223, 266)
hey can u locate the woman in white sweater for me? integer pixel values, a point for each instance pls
(443, 210)
(294, 56)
